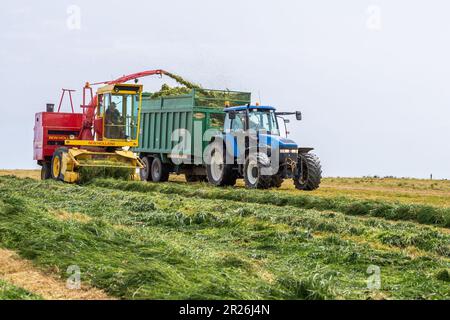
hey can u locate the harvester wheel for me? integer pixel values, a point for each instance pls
(218, 172)
(159, 171)
(252, 175)
(310, 172)
(46, 170)
(145, 172)
(56, 166)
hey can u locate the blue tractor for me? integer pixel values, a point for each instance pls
(251, 147)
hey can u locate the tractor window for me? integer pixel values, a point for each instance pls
(131, 108)
(263, 120)
(121, 117)
(239, 122)
(101, 108)
(114, 118)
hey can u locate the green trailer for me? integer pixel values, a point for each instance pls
(174, 131)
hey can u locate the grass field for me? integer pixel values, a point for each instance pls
(10, 292)
(174, 240)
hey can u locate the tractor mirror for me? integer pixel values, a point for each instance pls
(298, 115)
(286, 120)
(232, 115)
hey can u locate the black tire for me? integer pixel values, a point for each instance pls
(56, 164)
(46, 172)
(144, 173)
(252, 174)
(159, 171)
(310, 172)
(225, 176)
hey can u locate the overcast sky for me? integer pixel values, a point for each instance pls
(371, 77)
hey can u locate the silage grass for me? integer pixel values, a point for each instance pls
(158, 245)
(388, 210)
(11, 292)
(89, 173)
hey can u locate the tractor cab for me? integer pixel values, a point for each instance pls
(118, 111)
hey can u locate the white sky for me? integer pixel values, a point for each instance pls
(371, 77)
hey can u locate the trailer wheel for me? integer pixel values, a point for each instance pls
(46, 170)
(145, 172)
(310, 172)
(218, 172)
(159, 171)
(252, 175)
(56, 165)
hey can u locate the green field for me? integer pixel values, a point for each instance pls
(138, 240)
(10, 292)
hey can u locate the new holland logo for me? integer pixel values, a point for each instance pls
(58, 137)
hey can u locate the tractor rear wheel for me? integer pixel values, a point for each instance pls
(310, 172)
(252, 175)
(46, 170)
(218, 172)
(57, 165)
(159, 171)
(145, 172)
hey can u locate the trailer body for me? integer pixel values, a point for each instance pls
(164, 119)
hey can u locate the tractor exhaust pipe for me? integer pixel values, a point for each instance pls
(50, 107)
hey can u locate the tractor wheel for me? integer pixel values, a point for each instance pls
(277, 181)
(218, 172)
(159, 171)
(145, 172)
(56, 166)
(46, 170)
(252, 175)
(310, 172)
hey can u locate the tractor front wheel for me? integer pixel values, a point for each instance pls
(252, 175)
(310, 172)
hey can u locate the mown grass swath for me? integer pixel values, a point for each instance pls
(392, 211)
(11, 292)
(172, 245)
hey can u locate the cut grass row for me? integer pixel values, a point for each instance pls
(157, 245)
(10, 292)
(391, 211)
(400, 234)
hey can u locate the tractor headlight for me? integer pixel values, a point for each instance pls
(288, 151)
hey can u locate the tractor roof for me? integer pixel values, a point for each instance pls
(242, 108)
